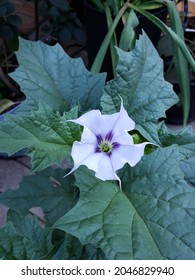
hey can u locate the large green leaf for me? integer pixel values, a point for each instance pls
(47, 189)
(141, 84)
(30, 229)
(99, 216)
(23, 238)
(186, 146)
(153, 218)
(184, 138)
(164, 201)
(48, 73)
(188, 167)
(14, 246)
(47, 136)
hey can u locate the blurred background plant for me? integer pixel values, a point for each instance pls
(64, 23)
(9, 30)
(129, 12)
(54, 21)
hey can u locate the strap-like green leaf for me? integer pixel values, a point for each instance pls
(169, 31)
(181, 65)
(128, 36)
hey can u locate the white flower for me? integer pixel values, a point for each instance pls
(105, 144)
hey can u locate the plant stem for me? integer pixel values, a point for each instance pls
(170, 32)
(182, 55)
(102, 51)
(113, 41)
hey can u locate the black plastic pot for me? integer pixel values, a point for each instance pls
(175, 113)
(96, 30)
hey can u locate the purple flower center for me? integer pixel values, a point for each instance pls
(105, 144)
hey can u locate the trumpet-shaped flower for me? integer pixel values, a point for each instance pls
(105, 144)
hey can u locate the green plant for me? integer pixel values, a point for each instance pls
(115, 10)
(9, 24)
(9, 20)
(65, 23)
(87, 214)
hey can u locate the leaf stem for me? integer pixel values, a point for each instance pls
(170, 32)
(102, 51)
(113, 41)
(182, 54)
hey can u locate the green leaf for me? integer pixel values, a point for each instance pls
(128, 35)
(106, 42)
(181, 65)
(29, 228)
(48, 189)
(14, 246)
(153, 218)
(141, 85)
(166, 29)
(98, 4)
(90, 252)
(99, 217)
(48, 73)
(164, 201)
(23, 238)
(184, 138)
(113, 41)
(66, 248)
(188, 167)
(47, 136)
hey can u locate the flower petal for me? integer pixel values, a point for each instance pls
(113, 129)
(91, 120)
(99, 124)
(83, 154)
(123, 123)
(80, 153)
(105, 170)
(123, 138)
(130, 154)
(101, 164)
(88, 136)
